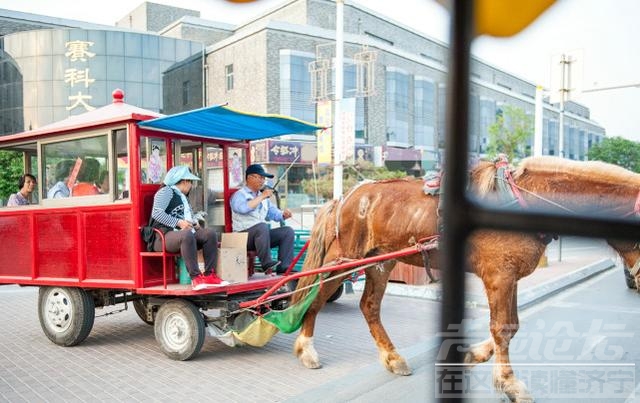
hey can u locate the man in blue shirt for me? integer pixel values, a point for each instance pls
(251, 210)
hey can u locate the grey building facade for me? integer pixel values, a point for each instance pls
(48, 74)
(282, 62)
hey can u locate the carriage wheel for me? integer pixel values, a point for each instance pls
(140, 306)
(336, 294)
(66, 314)
(179, 329)
(628, 278)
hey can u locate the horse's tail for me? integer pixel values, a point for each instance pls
(317, 247)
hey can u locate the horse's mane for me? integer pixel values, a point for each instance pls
(587, 170)
(483, 176)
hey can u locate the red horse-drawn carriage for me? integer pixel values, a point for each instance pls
(85, 251)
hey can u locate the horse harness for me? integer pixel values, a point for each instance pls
(424, 245)
(510, 192)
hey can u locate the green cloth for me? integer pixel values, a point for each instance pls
(290, 319)
(256, 330)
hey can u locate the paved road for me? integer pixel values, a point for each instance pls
(579, 345)
(120, 360)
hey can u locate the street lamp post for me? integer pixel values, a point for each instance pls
(337, 114)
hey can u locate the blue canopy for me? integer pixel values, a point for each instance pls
(222, 122)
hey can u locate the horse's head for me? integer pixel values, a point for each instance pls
(629, 251)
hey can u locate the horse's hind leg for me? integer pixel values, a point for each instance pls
(370, 302)
(303, 347)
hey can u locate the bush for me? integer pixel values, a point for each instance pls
(352, 174)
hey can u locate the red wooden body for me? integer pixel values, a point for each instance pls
(98, 244)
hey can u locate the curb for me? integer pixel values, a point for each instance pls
(526, 297)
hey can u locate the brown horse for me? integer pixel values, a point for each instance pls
(382, 217)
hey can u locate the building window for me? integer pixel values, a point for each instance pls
(350, 90)
(185, 92)
(397, 100)
(424, 112)
(295, 85)
(228, 74)
(488, 113)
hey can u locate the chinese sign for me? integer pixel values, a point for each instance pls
(284, 151)
(214, 157)
(79, 76)
(324, 136)
(348, 117)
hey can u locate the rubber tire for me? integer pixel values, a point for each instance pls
(141, 310)
(179, 329)
(66, 314)
(628, 278)
(336, 294)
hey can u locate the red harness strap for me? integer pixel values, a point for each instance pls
(504, 163)
(636, 207)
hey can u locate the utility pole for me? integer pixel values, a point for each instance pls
(538, 122)
(564, 80)
(337, 112)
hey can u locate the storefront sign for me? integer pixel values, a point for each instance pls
(284, 151)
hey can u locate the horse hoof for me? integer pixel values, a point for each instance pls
(402, 369)
(516, 391)
(306, 353)
(395, 364)
(310, 363)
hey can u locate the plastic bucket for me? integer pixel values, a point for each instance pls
(183, 274)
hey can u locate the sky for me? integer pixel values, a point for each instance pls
(602, 35)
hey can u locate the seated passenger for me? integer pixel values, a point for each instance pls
(250, 211)
(27, 184)
(103, 182)
(171, 213)
(87, 178)
(61, 175)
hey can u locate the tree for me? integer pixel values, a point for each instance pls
(618, 151)
(352, 174)
(11, 168)
(509, 133)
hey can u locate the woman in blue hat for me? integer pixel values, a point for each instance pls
(172, 213)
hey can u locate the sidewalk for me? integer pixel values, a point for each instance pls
(543, 282)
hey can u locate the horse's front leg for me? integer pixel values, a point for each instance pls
(479, 352)
(374, 288)
(503, 326)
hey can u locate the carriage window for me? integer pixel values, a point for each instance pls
(18, 160)
(121, 178)
(189, 153)
(75, 167)
(153, 158)
(215, 187)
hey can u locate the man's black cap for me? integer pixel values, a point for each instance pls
(257, 169)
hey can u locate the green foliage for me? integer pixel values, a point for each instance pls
(11, 168)
(618, 151)
(352, 174)
(509, 133)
